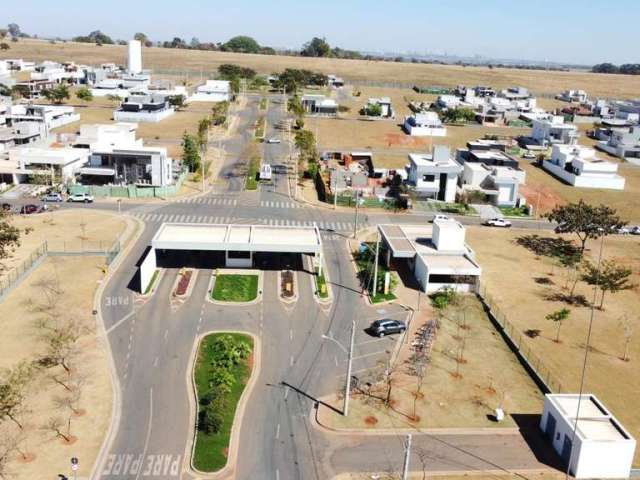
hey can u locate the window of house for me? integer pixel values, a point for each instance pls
(428, 178)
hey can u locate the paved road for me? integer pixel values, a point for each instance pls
(152, 343)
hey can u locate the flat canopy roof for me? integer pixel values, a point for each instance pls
(595, 422)
(254, 238)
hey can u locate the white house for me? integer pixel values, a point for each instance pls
(434, 175)
(425, 124)
(436, 254)
(554, 130)
(20, 65)
(61, 163)
(499, 184)
(58, 73)
(212, 91)
(116, 157)
(144, 108)
(335, 82)
(445, 102)
(578, 96)
(579, 166)
(20, 133)
(319, 104)
(51, 116)
(600, 448)
(623, 143)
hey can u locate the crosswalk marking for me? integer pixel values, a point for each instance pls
(213, 201)
(157, 218)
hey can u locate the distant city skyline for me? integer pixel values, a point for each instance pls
(566, 31)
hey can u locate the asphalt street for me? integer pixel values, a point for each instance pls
(152, 342)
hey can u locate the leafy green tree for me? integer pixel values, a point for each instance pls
(610, 277)
(13, 386)
(235, 85)
(372, 110)
(177, 101)
(558, 317)
(57, 94)
(211, 419)
(458, 115)
(241, 44)
(142, 38)
(223, 380)
(231, 70)
(84, 94)
(190, 153)
(317, 47)
(292, 79)
(585, 220)
(294, 105)
(305, 141)
(95, 37)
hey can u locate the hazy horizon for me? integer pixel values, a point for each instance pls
(571, 31)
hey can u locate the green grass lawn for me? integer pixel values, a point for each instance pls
(152, 282)
(381, 297)
(455, 208)
(263, 103)
(210, 453)
(235, 288)
(251, 182)
(321, 282)
(259, 133)
(515, 211)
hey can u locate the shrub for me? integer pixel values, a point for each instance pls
(211, 419)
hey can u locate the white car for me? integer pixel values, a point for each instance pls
(273, 140)
(529, 155)
(634, 230)
(439, 217)
(498, 222)
(80, 197)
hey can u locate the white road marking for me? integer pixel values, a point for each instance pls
(290, 334)
(166, 334)
(335, 359)
(155, 362)
(286, 392)
(112, 327)
(291, 360)
(278, 431)
(146, 441)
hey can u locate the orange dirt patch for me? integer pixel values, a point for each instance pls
(541, 196)
(370, 420)
(404, 140)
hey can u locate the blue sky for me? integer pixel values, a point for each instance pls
(577, 31)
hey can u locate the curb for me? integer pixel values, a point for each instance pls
(116, 406)
(313, 418)
(462, 473)
(234, 441)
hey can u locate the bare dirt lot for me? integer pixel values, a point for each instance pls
(517, 279)
(446, 75)
(59, 292)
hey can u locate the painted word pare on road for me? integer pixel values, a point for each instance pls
(125, 465)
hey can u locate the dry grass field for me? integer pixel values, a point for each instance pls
(194, 62)
(524, 300)
(85, 402)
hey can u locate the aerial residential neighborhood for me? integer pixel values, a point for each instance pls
(334, 241)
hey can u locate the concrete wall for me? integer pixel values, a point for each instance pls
(147, 268)
(148, 117)
(612, 182)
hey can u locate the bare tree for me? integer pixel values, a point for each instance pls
(61, 344)
(13, 389)
(73, 392)
(57, 426)
(627, 332)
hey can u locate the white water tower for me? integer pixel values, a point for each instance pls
(134, 64)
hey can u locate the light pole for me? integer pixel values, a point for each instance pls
(347, 389)
(407, 456)
(375, 266)
(355, 223)
(74, 467)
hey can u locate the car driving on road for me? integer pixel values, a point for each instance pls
(380, 328)
(29, 209)
(273, 140)
(498, 222)
(80, 197)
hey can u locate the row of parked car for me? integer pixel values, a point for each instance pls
(50, 197)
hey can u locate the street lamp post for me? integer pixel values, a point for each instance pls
(74, 467)
(347, 389)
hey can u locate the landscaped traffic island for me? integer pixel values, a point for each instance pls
(235, 288)
(222, 370)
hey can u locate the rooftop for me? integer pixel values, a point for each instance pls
(256, 238)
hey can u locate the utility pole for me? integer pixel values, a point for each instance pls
(375, 266)
(347, 392)
(407, 454)
(355, 223)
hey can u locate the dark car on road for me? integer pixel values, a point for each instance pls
(29, 209)
(380, 328)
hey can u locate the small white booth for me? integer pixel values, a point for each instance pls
(601, 448)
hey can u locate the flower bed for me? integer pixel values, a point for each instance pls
(286, 284)
(183, 283)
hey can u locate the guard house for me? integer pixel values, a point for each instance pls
(233, 246)
(601, 447)
(436, 254)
